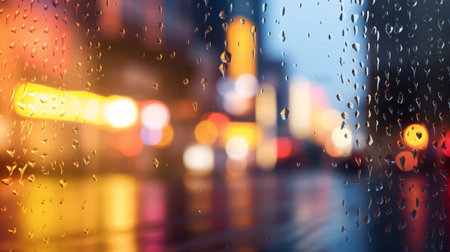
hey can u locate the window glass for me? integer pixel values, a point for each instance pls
(221, 125)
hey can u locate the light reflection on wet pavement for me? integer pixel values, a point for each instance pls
(289, 211)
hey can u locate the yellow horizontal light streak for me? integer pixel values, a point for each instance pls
(39, 101)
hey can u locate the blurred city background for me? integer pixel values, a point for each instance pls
(224, 125)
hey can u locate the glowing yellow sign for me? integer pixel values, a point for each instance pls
(241, 37)
(39, 101)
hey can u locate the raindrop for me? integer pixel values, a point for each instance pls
(204, 83)
(185, 81)
(411, 3)
(7, 181)
(413, 214)
(284, 113)
(63, 183)
(356, 47)
(264, 7)
(427, 17)
(155, 162)
(222, 15)
(75, 144)
(344, 115)
(225, 57)
(223, 69)
(282, 36)
(122, 33)
(195, 106)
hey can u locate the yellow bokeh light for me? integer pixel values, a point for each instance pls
(205, 132)
(415, 136)
(242, 47)
(167, 137)
(250, 132)
(39, 101)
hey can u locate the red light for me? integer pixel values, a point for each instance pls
(284, 147)
(219, 119)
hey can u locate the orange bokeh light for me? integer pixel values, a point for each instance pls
(406, 161)
(206, 132)
(129, 144)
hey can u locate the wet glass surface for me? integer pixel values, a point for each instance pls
(224, 125)
(271, 212)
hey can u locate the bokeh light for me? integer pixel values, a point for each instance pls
(120, 112)
(250, 132)
(330, 119)
(205, 132)
(219, 120)
(339, 144)
(246, 85)
(92, 109)
(155, 115)
(237, 148)
(151, 137)
(235, 104)
(406, 161)
(167, 137)
(130, 145)
(199, 159)
(284, 147)
(415, 136)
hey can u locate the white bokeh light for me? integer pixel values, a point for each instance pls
(199, 158)
(155, 115)
(246, 85)
(120, 112)
(237, 148)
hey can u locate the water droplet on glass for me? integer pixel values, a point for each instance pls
(222, 15)
(413, 214)
(195, 106)
(264, 7)
(411, 3)
(75, 144)
(185, 81)
(223, 68)
(7, 181)
(63, 183)
(356, 47)
(225, 57)
(155, 162)
(344, 115)
(282, 36)
(284, 113)
(204, 83)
